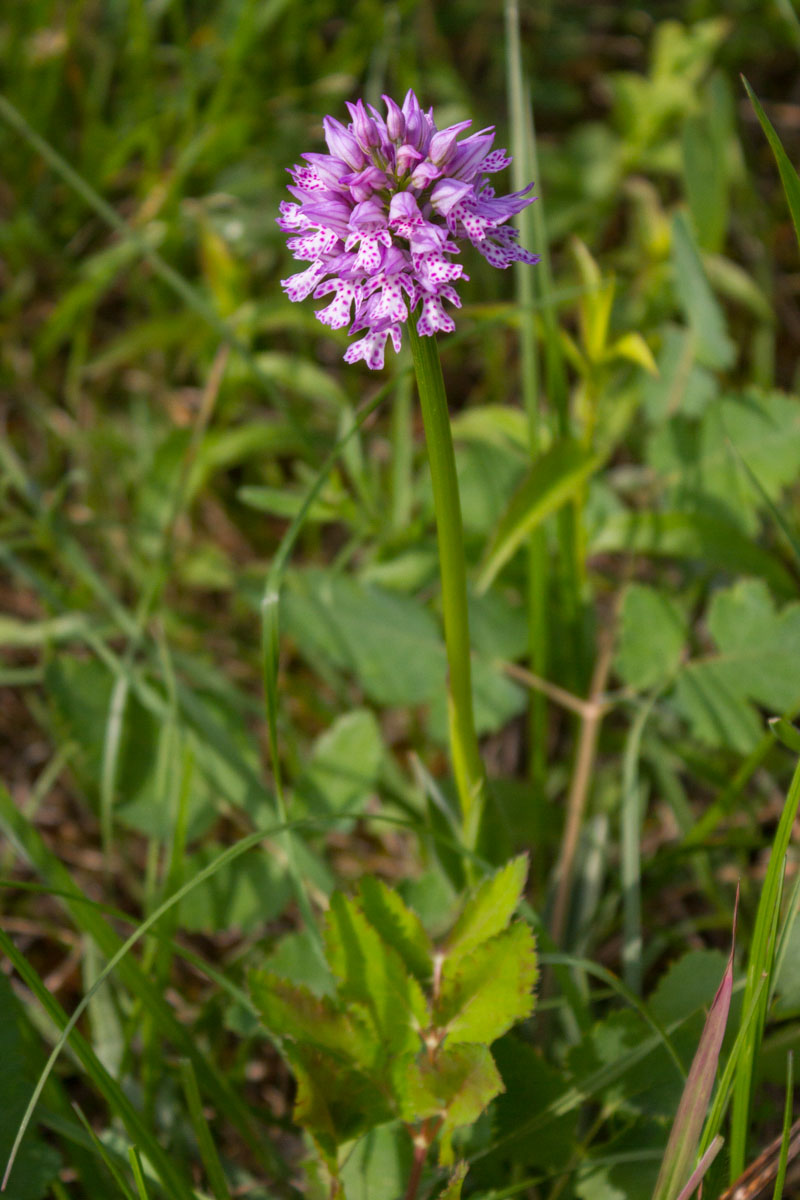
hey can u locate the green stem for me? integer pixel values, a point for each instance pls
(467, 764)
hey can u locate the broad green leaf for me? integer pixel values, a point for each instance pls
(682, 385)
(652, 634)
(336, 620)
(398, 925)
(244, 895)
(713, 346)
(758, 649)
(488, 910)
(712, 542)
(456, 1084)
(335, 1100)
(343, 767)
(378, 1166)
(372, 974)
(295, 959)
(302, 377)
(483, 994)
(498, 424)
(293, 1012)
(689, 985)
(554, 478)
(340, 622)
(708, 465)
(531, 1085)
(623, 1167)
(789, 176)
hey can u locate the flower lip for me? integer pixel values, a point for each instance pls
(379, 218)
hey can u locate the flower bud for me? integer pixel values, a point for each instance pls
(342, 144)
(364, 130)
(395, 121)
(443, 143)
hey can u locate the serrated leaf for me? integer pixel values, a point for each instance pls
(373, 974)
(452, 1190)
(696, 536)
(335, 1101)
(456, 1085)
(488, 910)
(483, 994)
(292, 1011)
(709, 465)
(398, 925)
(758, 650)
(554, 478)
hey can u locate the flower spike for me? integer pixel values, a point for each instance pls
(381, 215)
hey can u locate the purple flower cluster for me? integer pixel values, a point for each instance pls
(380, 217)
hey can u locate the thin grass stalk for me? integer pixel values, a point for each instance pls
(467, 763)
(537, 563)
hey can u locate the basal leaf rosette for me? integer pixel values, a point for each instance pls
(381, 217)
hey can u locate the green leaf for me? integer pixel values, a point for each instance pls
(457, 1084)
(705, 318)
(709, 465)
(531, 1086)
(344, 765)
(373, 974)
(244, 895)
(714, 543)
(295, 960)
(554, 478)
(488, 910)
(335, 1101)
(652, 634)
(789, 176)
(342, 622)
(378, 1166)
(757, 652)
(483, 994)
(452, 1189)
(398, 925)
(37, 1164)
(681, 385)
(293, 1012)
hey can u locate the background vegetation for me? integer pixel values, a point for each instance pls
(165, 412)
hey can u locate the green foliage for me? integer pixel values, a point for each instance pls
(383, 1047)
(38, 1163)
(753, 661)
(176, 435)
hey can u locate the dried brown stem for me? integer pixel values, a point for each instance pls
(579, 785)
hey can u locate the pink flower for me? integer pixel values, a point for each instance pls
(379, 217)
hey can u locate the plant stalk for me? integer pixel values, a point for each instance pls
(467, 763)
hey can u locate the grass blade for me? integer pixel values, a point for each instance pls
(789, 177)
(761, 967)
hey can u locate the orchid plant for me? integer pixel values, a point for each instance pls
(380, 219)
